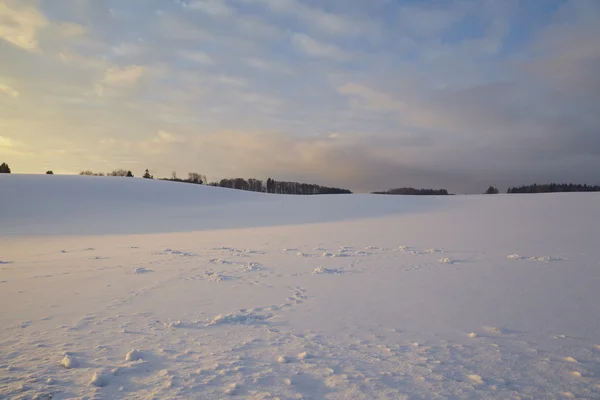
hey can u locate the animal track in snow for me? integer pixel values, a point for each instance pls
(322, 270)
(476, 379)
(245, 318)
(141, 270)
(250, 267)
(99, 379)
(217, 276)
(133, 355)
(219, 261)
(533, 258)
(177, 253)
(447, 260)
(69, 362)
(545, 258)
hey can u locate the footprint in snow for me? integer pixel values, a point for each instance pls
(138, 271)
(533, 258)
(447, 260)
(322, 271)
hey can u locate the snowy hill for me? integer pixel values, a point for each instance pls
(55, 204)
(228, 293)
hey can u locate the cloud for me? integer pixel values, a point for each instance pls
(232, 80)
(198, 57)
(359, 162)
(7, 90)
(71, 29)
(8, 142)
(268, 65)
(314, 17)
(427, 20)
(20, 23)
(407, 110)
(129, 49)
(160, 144)
(214, 8)
(119, 78)
(125, 76)
(164, 137)
(316, 48)
(373, 98)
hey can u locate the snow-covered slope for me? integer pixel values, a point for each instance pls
(55, 204)
(226, 293)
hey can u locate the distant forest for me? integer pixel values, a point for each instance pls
(418, 192)
(257, 185)
(553, 188)
(279, 187)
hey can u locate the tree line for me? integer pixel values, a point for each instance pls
(298, 188)
(116, 172)
(193, 177)
(251, 184)
(277, 187)
(553, 188)
(417, 192)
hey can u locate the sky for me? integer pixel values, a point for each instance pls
(364, 95)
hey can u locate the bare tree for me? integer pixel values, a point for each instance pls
(119, 172)
(194, 177)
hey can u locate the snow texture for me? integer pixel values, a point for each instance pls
(133, 355)
(69, 362)
(99, 380)
(362, 304)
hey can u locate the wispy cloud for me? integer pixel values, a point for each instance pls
(160, 143)
(7, 142)
(316, 48)
(125, 76)
(314, 17)
(198, 57)
(20, 23)
(373, 98)
(8, 90)
(215, 8)
(119, 78)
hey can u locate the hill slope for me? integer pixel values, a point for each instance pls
(55, 204)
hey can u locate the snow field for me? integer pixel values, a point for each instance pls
(226, 312)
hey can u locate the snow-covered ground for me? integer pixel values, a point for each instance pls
(129, 288)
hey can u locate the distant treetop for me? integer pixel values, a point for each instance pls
(413, 191)
(553, 188)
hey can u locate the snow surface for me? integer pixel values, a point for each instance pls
(393, 297)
